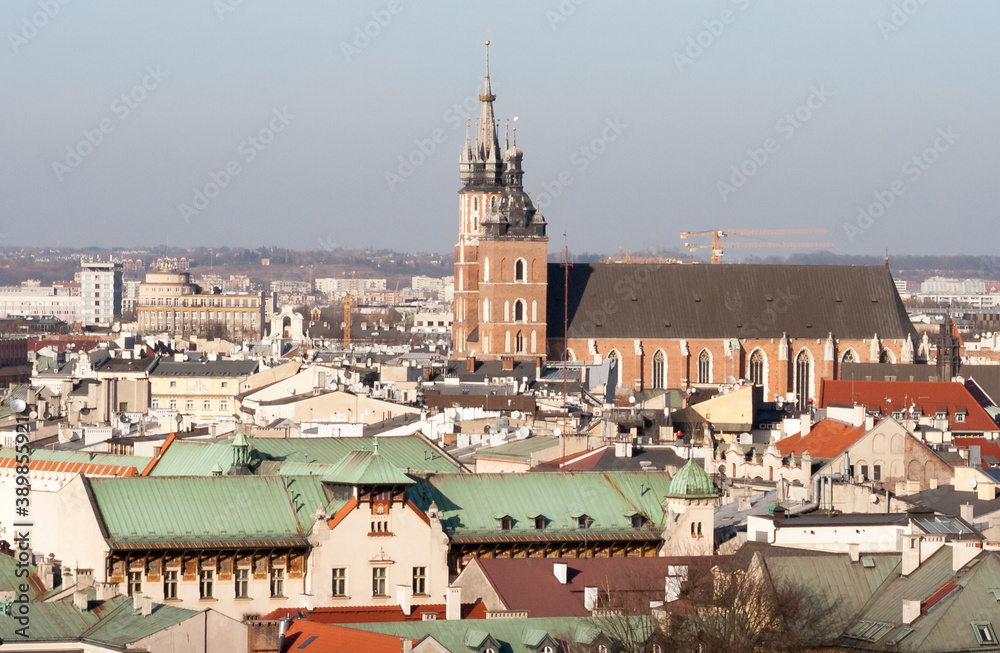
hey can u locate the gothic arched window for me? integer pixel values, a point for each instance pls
(704, 367)
(803, 378)
(659, 379)
(757, 367)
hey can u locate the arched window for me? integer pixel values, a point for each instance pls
(486, 269)
(534, 310)
(659, 378)
(486, 309)
(534, 343)
(757, 367)
(519, 310)
(803, 378)
(704, 367)
(506, 342)
(569, 355)
(475, 203)
(519, 343)
(506, 310)
(519, 270)
(849, 357)
(614, 375)
(886, 356)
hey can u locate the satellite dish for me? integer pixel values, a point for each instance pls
(291, 390)
(18, 405)
(972, 483)
(631, 399)
(516, 414)
(873, 498)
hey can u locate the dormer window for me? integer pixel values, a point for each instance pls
(504, 522)
(959, 417)
(941, 415)
(638, 521)
(540, 523)
(583, 522)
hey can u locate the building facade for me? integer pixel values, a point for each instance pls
(170, 303)
(100, 291)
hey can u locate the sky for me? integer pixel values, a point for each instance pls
(318, 125)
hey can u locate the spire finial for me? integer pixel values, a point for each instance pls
(506, 136)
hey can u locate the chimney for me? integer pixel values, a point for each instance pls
(933, 482)
(962, 553)
(805, 423)
(507, 363)
(403, 598)
(147, 606)
(911, 610)
(407, 645)
(453, 604)
(106, 591)
(470, 364)
(560, 570)
(911, 554)
(137, 601)
(966, 512)
(590, 598)
(855, 552)
(80, 600)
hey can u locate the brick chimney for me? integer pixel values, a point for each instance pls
(470, 364)
(507, 363)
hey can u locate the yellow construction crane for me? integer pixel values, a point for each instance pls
(661, 260)
(719, 247)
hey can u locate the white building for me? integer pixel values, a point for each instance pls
(100, 291)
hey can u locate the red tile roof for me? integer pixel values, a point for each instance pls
(986, 447)
(927, 398)
(312, 637)
(366, 614)
(62, 467)
(827, 439)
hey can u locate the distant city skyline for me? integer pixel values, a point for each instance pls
(316, 126)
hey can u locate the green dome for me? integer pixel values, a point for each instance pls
(691, 482)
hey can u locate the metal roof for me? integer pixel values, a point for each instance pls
(213, 511)
(727, 301)
(204, 368)
(366, 468)
(470, 503)
(518, 449)
(407, 452)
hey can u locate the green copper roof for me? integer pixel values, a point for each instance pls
(410, 452)
(513, 635)
(211, 511)
(366, 468)
(471, 504)
(691, 482)
(519, 449)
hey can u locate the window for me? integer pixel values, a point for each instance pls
(225, 385)
(704, 367)
(519, 311)
(659, 379)
(242, 583)
(173, 384)
(638, 521)
(169, 584)
(173, 404)
(506, 523)
(519, 343)
(378, 581)
(419, 580)
(206, 404)
(959, 417)
(277, 582)
(863, 472)
(757, 367)
(134, 583)
(583, 521)
(519, 270)
(223, 404)
(877, 472)
(984, 633)
(154, 404)
(803, 378)
(540, 523)
(339, 582)
(206, 583)
(189, 404)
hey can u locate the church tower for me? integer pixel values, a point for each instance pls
(481, 175)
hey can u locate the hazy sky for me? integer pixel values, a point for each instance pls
(638, 120)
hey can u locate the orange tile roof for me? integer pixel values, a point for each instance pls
(62, 467)
(373, 613)
(827, 439)
(326, 638)
(986, 447)
(926, 397)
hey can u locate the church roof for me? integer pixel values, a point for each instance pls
(691, 482)
(616, 300)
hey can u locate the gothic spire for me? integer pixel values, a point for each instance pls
(487, 145)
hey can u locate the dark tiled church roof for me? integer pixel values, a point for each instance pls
(726, 301)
